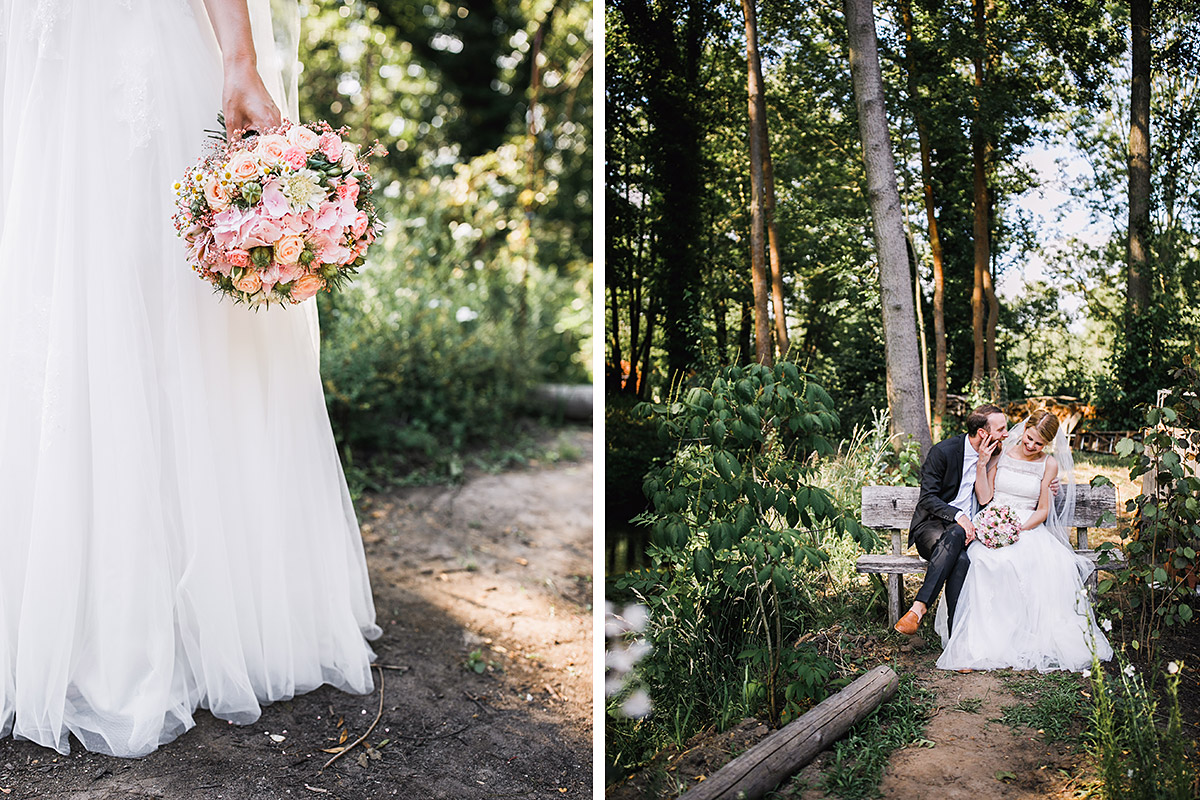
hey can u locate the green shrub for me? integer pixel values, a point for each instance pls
(1162, 565)
(435, 346)
(738, 530)
(1141, 754)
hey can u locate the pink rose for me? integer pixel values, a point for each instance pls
(295, 157)
(288, 249)
(270, 148)
(215, 194)
(331, 145)
(248, 283)
(305, 287)
(237, 257)
(349, 156)
(301, 136)
(244, 165)
(348, 191)
(361, 221)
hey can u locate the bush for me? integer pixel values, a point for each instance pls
(738, 530)
(1162, 567)
(435, 346)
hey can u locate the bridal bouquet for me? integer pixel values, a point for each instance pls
(279, 216)
(997, 526)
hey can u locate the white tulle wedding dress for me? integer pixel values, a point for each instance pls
(175, 530)
(1024, 605)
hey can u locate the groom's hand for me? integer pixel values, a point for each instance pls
(1054, 486)
(967, 525)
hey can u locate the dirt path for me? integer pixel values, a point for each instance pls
(967, 755)
(496, 574)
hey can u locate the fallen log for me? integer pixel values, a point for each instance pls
(766, 765)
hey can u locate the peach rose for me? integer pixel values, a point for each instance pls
(361, 221)
(295, 157)
(305, 287)
(238, 257)
(215, 194)
(301, 136)
(288, 249)
(349, 156)
(270, 148)
(248, 283)
(243, 165)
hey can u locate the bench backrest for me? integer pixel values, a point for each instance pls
(893, 506)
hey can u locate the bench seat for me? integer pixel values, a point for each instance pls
(890, 509)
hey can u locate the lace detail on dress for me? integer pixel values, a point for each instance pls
(45, 17)
(135, 104)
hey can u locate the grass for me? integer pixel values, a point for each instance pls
(970, 705)
(859, 758)
(1057, 704)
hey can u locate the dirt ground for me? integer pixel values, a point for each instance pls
(492, 575)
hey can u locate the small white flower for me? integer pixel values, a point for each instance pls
(1129, 773)
(1087, 673)
(638, 704)
(1106, 624)
(1129, 670)
(1173, 667)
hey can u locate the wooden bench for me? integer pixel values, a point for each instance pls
(890, 508)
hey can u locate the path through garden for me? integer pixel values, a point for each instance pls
(493, 575)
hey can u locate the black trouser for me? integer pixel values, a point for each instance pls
(943, 545)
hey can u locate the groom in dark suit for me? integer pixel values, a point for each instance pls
(941, 527)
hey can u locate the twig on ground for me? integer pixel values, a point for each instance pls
(423, 739)
(392, 666)
(362, 738)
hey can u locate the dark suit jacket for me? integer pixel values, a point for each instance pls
(941, 476)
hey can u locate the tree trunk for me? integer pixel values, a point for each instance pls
(935, 239)
(763, 349)
(1137, 290)
(905, 398)
(782, 339)
(993, 316)
(744, 328)
(980, 200)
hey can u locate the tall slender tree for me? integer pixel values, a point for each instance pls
(912, 45)
(1138, 268)
(763, 344)
(905, 397)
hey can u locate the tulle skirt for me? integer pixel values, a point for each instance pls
(175, 530)
(1024, 606)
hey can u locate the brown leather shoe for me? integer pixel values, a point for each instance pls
(909, 623)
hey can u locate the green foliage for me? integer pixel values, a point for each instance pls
(1162, 566)
(1055, 705)
(861, 756)
(738, 531)
(1141, 753)
(481, 286)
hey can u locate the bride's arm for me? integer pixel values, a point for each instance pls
(1043, 508)
(244, 99)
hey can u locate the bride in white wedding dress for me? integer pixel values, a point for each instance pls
(1024, 605)
(175, 530)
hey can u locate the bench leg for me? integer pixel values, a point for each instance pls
(895, 585)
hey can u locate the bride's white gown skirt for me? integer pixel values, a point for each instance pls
(1023, 606)
(175, 530)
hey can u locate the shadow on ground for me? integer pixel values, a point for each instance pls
(494, 575)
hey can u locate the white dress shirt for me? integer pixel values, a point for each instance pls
(964, 501)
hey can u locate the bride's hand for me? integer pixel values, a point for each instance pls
(246, 103)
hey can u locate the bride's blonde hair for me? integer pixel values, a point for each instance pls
(1044, 424)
